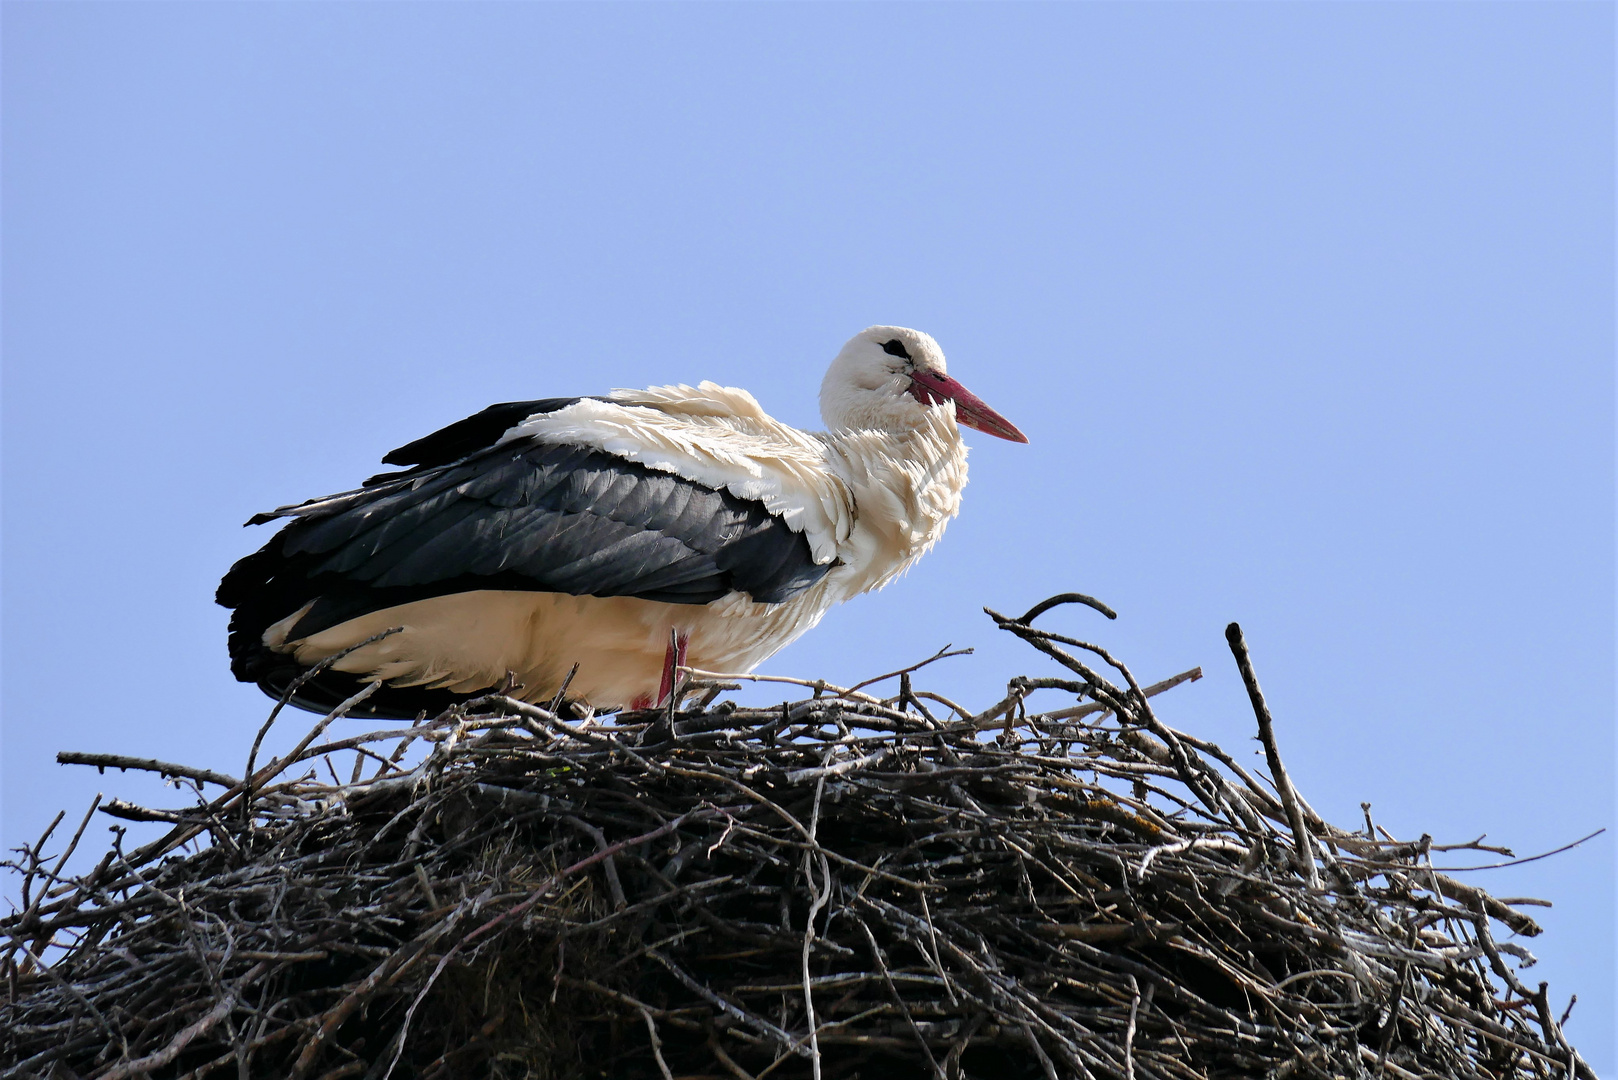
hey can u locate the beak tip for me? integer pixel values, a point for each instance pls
(999, 427)
(970, 410)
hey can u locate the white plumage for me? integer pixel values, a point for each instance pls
(868, 497)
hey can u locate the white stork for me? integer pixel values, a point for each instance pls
(623, 534)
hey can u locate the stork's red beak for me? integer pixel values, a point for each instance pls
(930, 389)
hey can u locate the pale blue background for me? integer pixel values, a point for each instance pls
(1307, 310)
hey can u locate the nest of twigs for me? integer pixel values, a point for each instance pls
(841, 886)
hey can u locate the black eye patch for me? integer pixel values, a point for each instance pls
(896, 348)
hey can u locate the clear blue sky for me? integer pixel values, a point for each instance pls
(1306, 308)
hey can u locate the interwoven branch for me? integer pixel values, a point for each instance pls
(842, 884)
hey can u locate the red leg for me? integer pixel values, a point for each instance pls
(673, 657)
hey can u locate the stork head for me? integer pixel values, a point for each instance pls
(892, 378)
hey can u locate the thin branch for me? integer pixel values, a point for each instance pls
(1266, 733)
(942, 654)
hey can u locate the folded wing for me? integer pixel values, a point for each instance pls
(475, 512)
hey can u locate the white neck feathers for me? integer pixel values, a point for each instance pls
(906, 487)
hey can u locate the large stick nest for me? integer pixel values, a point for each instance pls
(837, 887)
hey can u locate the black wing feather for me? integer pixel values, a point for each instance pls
(476, 432)
(522, 515)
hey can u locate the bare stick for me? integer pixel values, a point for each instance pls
(1066, 598)
(820, 686)
(164, 768)
(1266, 734)
(1517, 862)
(33, 908)
(942, 654)
(1094, 707)
(561, 691)
(820, 895)
(657, 1044)
(1129, 1032)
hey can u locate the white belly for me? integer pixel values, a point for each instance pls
(470, 641)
